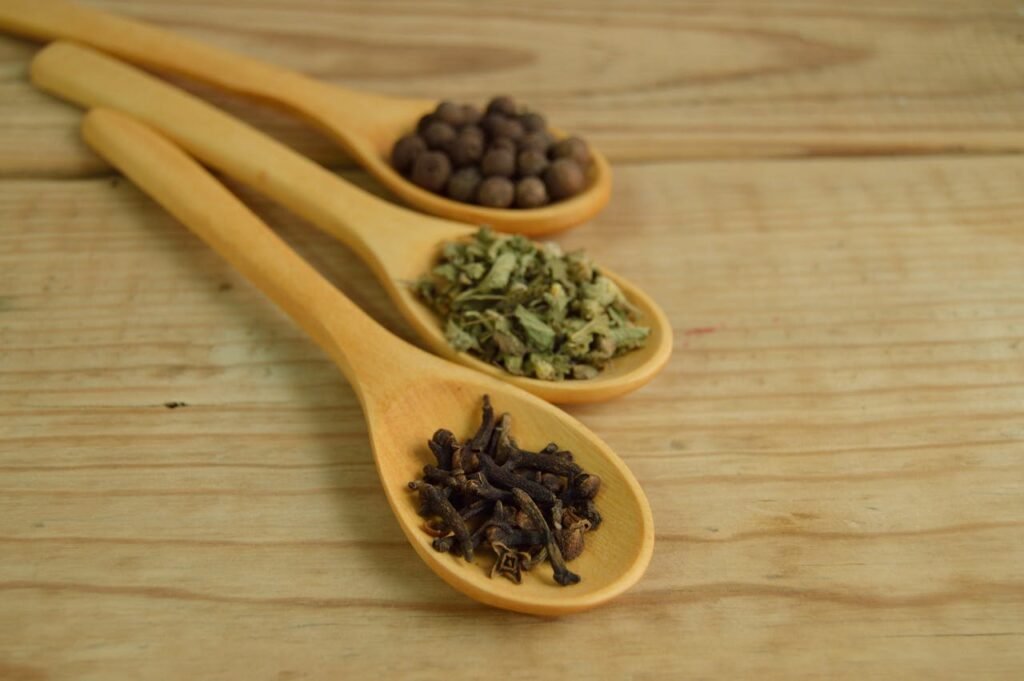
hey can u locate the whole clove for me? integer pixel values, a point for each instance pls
(487, 493)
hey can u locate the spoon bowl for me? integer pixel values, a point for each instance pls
(406, 393)
(399, 245)
(365, 125)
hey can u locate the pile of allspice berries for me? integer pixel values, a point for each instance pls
(502, 157)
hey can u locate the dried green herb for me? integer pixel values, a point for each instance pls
(529, 308)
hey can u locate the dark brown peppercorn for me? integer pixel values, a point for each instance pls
(500, 140)
(471, 115)
(531, 162)
(501, 126)
(530, 193)
(405, 152)
(502, 143)
(451, 113)
(468, 146)
(533, 122)
(431, 170)
(496, 192)
(538, 140)
(502, 104)
(463, 184)
(425, 120)
(500, 162)
(564, 178)
(574, 148)
(438, 135)
(490, 122)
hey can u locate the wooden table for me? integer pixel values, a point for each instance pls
(827, 198)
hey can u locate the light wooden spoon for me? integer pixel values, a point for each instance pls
(365, 125)
(398, 244)
(406, 393)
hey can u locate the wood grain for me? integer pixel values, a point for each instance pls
(833, 456)
(650, 81)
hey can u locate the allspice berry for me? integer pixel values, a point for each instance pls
(502, 104)
(438, 134)
(405, 151)
(471, 115)
(564, 178)
(467, 147)
(533, 122)
(498, 162)
(463, 184)
(530, 193)
(574, 148)
(496, 192)
(497, 125)
(431, 170)
(508, 127)
(502, 143)
(489, 122)
(424, 121)
(458, 149)
(451, 113)
(531, 162)
(538, 139)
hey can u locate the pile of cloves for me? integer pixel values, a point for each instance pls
(526, 507)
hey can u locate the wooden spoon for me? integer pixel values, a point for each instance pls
(398, 244)
(365, 125)
(406, 393)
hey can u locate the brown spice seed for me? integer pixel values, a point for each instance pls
(498, 162)
(502, 143)
(587, 485)
(405, 151)
(463, 184)
(507, 127)
(424, 121)
(468, 147)
(496, 192)
(530, 193)
(533, 121)
(471, 115)
(502, 104)
(431, 170)
(574, 148)
(451, 113)
(564, 178)
(531, 162)
(438, 135)
(538, 140)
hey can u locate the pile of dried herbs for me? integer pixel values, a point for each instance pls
(529, 308)
(526, 507)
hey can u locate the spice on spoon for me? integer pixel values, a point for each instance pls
(528, 308)
(525, 507)
(502, 142)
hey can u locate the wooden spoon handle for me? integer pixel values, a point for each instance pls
(148, 45)
(205, 206)
(366, 224)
